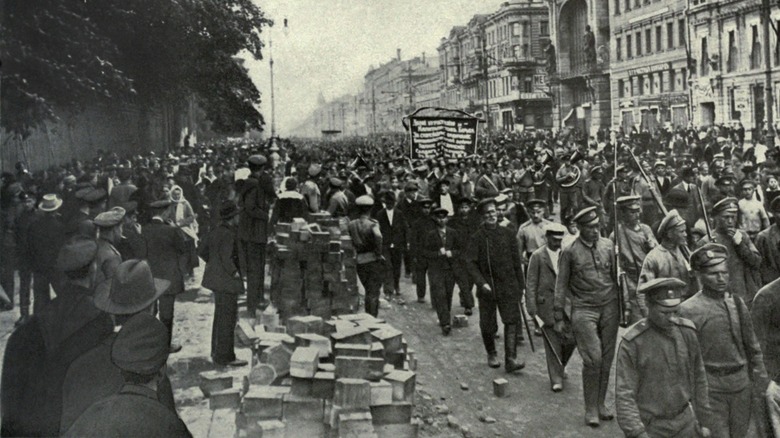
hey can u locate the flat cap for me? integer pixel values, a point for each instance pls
(76, 254)
(726, 179)
(411, 185)
(425, 201)
(729, 204)
(141, 346)
(671, 220)
(659, 163)
(256, 160)
(484, 203)
(596, 169)
(440, 211)
(555, 230)
(631, 202)
(709, 254)
(622, 168)
(536, 203)
(110, 218)
(95, 195)
(502, 199)
(747, 182)
(666, 292)
(587, 216)
(364, 201)
(336, 182)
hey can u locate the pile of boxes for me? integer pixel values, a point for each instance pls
(349, 376)
(313, 270)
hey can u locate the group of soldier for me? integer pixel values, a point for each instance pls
(571, 237)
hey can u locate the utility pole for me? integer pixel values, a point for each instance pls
(487, 80)
(373, 108)
(271, 63)
(768, 98)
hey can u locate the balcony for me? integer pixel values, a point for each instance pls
(582, 69)
(518, 61)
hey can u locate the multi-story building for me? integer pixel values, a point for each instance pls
(580, 85)
(649, 64)
(493, 66)
(727, 41)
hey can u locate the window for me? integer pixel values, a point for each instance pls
(648, 41)
(516, 50)
(733, 105)
(672, 79)
(515, 29)
(526, 50)
(637, 3)
(670, 35)
(639, 43)
(660, 82)
(628, 47)
(526, 30)
(618, 51)
(681, 29)
(641, 85)
(777, 46)
(731, 64)
(617, 7)
(658, 38)
(684, 78)
(755, 54)
(628, 5)
(705, 58)
(621, 92)
(528, 85)
(544, 28)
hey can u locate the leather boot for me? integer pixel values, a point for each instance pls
(490, 347)
(510, 349)
(604, 413)
(590, 391)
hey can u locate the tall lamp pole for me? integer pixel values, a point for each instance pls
(768, 98)
(273, 105)
(487, 80)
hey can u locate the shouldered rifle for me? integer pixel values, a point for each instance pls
(620, 275)
(656, 198)
(704, 212)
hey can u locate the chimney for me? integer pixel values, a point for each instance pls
(398, 54)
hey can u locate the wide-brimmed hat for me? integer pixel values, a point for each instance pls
(130, 290)
(50, 202)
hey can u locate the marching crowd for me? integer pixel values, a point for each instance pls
(672, 234)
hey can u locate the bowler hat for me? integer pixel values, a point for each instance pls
(142, 345)
(50, 202)
(130, 290)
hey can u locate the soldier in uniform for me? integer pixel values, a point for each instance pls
(593, 191)
(744, 260)
(567, 180)
(531, 235)
(666, 260)
(338, 204)
(367, 237)
(109, 225)
(586, 274)
(635, 240)
(495, 267)
(661, 385)
(765, 313)
(540, 286)
(731, 352)
(441, 248)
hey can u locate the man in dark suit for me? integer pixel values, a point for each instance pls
(441, 248)
(418, 229)
(540, 287)
(661, 178)
(394, 228)
(140, 351)
(255, 200)
(40, 351)
(465, 223)
(165, 245)
(93, 376)
(688, 185)
(223, 277)
(45, 239)
(407, 204)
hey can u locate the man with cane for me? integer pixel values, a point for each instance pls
(494, 264)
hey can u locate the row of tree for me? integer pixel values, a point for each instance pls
(62, 55)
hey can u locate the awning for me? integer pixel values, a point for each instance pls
(569, 115)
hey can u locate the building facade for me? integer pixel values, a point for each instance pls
(649, 67)
(494, 68)
(729, 78)
(580, 78)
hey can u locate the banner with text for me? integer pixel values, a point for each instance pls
(449, 137)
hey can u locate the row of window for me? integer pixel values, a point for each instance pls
(653, 83)
(628, 5)
(504, 32)
(651, 40)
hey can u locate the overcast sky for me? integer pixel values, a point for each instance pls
(330, 44)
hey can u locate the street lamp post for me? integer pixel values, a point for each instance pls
(766, 15)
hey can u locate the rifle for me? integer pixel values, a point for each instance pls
(540, 325)
(656, 197)
(704, 213)
(620, 275)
